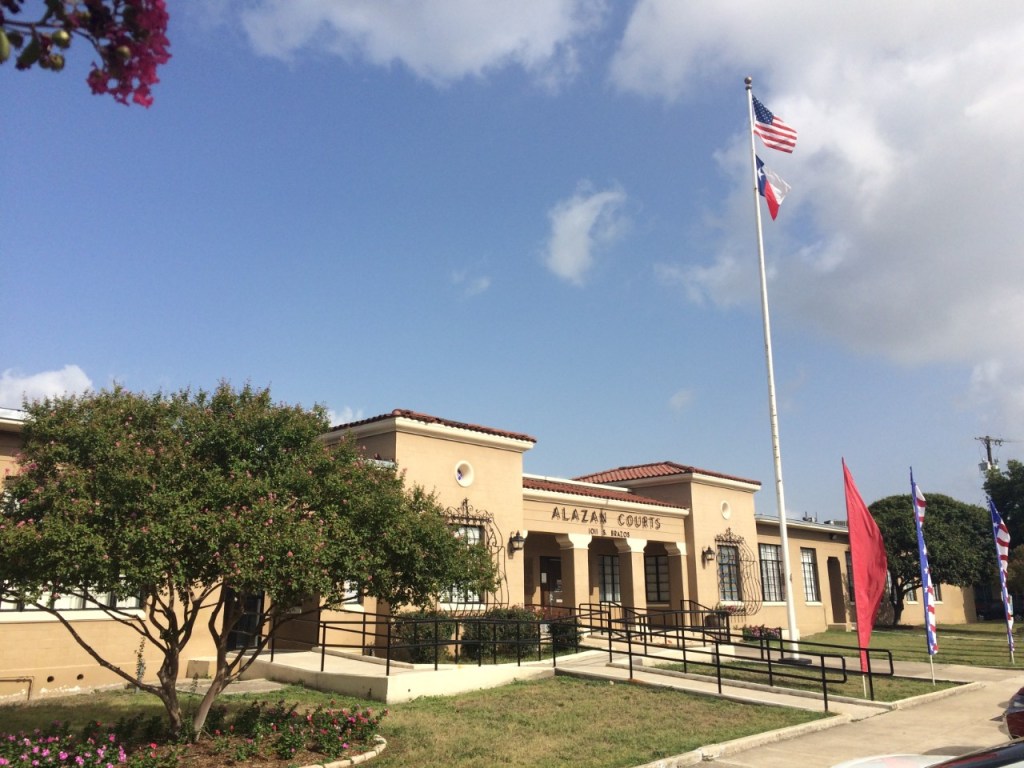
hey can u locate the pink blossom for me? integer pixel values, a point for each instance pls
(136, 45)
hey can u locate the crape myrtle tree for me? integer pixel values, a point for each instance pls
(129, 38)
(958, 537)
(194, 502)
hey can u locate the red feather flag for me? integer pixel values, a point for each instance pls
(870, 566)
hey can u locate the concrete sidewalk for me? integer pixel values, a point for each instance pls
(949, 722)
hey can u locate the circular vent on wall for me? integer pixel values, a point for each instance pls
(464, 474)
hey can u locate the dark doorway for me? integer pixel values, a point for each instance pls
(836, 592)
(551, 581)
(246, 631)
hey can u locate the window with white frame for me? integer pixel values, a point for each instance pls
(472, 535)
(773, 587)
(936, 589)
(76, 602)
(656, 574)
(352, 594)
(809, 566)
(10, 605)
(729, 589)
(608, 575)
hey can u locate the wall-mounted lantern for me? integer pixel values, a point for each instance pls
(517, 542)
(708, 555)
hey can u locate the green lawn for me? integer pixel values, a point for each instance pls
(982, 644)
(554, 722)
(886, 689)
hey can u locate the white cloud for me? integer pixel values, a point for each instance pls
(901, 237)
(15, 387)
(440, 41)
(345, 416)
(471, 285)
(681, 400)
(580, 225)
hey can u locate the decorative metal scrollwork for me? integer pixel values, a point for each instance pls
(465, 517)
(750, 598)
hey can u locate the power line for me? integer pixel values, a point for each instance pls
(988, 441)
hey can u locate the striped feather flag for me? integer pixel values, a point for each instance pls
(1001, 534)
(927, 588)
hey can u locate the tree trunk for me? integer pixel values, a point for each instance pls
(897, 610)
(218, 684)
(168, 692)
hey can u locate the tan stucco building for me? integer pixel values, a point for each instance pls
(649, 538)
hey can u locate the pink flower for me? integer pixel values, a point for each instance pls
(136, 45)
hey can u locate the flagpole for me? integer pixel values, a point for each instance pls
(780, 498)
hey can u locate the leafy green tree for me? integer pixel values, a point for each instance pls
(196, 502)
(1015, 571)
(1006, 489)
(958, 536)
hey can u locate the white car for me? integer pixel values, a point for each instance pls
(894, 761)
(1009, 755)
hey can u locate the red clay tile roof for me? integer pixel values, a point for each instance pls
(538, 484)
(427, 419)
(657, 469)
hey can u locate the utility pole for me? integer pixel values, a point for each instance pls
(989, 441)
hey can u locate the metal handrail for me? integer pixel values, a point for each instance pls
(531, 637)
(818, 662)
(646, 633)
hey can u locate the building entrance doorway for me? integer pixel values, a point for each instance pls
(835, 588)
(551, 581)
(245, 633)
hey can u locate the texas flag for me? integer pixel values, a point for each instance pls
(770, 187)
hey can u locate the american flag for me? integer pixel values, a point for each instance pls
(772, 129)
(926, 572)
(1002, 536)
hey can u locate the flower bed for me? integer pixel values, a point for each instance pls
(261, 736)
(762, 632)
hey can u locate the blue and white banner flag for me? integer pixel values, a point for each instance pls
(927, 588)
(1001, 534)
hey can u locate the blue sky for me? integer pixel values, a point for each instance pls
(538, 217)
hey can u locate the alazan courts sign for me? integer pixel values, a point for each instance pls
(597, 520)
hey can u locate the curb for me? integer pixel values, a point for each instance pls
(724, 749)
(925, 698)
(712, 752)
(362, 757)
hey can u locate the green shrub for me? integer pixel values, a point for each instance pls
(565, 633)
(97, 746)
(421, 634)
(762, 632)
(504, 633)
(284, 731)
(334, 730)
